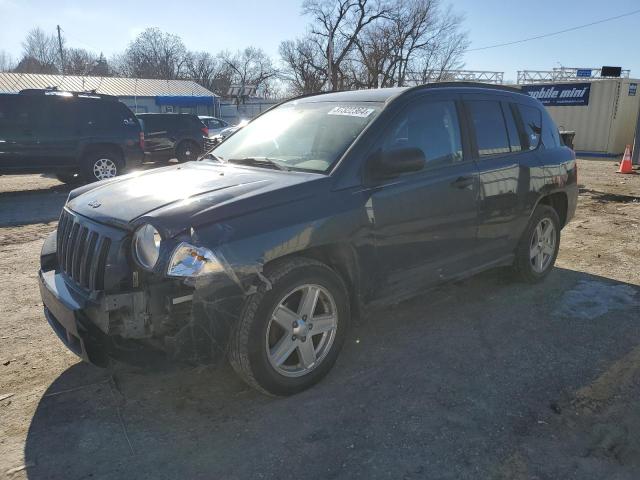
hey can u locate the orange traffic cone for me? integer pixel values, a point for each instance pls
(625, 164)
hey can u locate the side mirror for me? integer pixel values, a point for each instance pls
(397, 161)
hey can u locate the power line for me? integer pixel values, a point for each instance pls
(537, 37)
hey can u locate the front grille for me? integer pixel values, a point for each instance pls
(82, 252)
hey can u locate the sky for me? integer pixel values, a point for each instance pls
(108, 27)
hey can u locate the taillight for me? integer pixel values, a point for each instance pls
(141, 137)
(205, 131)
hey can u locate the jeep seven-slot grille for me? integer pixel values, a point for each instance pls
(82, 252)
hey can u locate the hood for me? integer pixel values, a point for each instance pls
(189, 194)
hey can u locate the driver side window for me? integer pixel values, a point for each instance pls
(433, 127)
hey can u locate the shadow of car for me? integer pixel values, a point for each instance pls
(433, 388)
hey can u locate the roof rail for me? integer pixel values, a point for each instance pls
(490, 86)
(67, 93)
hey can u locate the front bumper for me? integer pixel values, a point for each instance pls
(186, 322)
(63, 309)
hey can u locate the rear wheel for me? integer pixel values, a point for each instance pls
(538, 248)
(289, 337)
(102, 165)
(187, 151)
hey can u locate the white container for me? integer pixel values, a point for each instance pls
(608, 123)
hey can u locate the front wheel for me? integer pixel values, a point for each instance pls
(289, 337)
(538, 248)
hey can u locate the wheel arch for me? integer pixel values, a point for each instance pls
(102, 146)
(342, 259)
(559, 201)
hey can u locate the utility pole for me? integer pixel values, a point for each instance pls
(332, 87)
(60, 48)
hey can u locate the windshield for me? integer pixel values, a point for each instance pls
(300, 136)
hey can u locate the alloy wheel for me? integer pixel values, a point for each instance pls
(543, 245)
(301, 330)
(104, 168)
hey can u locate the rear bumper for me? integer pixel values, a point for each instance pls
(572, 202)
(134, 159)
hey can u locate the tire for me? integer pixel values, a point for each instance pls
(187, 150)
(528, 267)
(69, 178)
(253, 352)
(102, 165)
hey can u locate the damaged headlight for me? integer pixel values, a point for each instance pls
(191, 261)
(146, 246)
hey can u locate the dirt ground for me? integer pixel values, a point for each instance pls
(481, 379)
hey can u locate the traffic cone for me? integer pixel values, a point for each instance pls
(625, 164)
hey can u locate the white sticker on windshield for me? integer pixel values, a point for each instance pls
(351, 111)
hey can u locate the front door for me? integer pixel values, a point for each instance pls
(425, 222)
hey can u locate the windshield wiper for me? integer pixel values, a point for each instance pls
(212, 156)
(259, 162)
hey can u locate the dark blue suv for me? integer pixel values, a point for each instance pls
(74, 135)
(265, 250)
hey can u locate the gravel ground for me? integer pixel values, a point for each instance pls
(479, 379)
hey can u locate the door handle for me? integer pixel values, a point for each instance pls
(462, 182)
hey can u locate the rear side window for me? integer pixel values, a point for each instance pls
(550, 134)
(532, 124)
(195, 122)
(59, 114)
(489, 124)
(15, 113)
(150, 123)
(432, 127)
(515, 142)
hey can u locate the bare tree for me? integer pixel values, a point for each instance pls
(417, 36)
(443, 52)
(101, 67)
(40, 53)
(79, 61)
(7, 62)
(209, 71)
(250, 67)
(373, 43)
(336, 26)
(153, 54)
(303, 70)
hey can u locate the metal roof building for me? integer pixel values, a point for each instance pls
(139, 94)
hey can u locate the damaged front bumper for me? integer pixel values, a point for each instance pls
(188, 323)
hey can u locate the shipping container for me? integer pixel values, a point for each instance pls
(604, 117)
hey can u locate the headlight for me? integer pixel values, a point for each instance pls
(190, 261)
(146, 246)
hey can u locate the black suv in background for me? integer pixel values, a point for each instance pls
(173, 135)
(69, 134)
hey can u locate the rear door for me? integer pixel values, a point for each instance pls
(18, 141)
(159, 133)
(509, 168)
(425, 222)
(58, 132)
